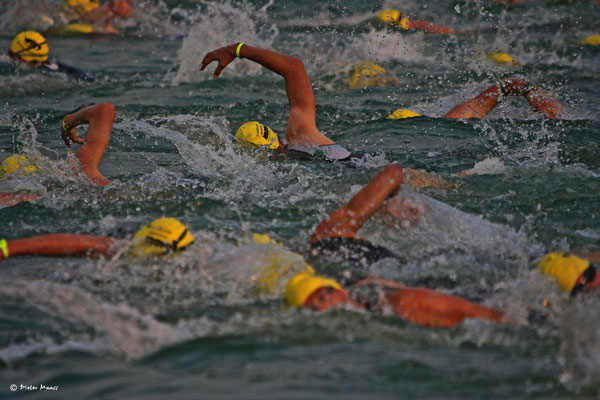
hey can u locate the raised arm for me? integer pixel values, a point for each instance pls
(482, 104)
(100, 118)
(348, 219)
(56, 245)
(301, 127)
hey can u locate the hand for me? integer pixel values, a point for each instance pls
(121, 8)
(70, 135)
(224, 56)
(513, 87)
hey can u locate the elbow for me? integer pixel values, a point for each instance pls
(106, 110)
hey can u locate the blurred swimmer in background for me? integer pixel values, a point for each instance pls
(395, 18)
(88, 16)
(30, 48)
(302, 134)
(162, 236)
(100, 118)
(482, 104)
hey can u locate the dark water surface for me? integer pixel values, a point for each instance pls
(193, 326)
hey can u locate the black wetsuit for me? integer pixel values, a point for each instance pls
(69, 70)
(352, 249)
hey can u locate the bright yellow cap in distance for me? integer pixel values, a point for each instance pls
(17, 162)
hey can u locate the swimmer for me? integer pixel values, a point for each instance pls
(91, 12)
(482, 104)
(417, 305)
(100, 118)
(397, 19)
(303, 136)
(30, 48)
(160, 237)
(302, 133)
(338, 233)
(573, 273)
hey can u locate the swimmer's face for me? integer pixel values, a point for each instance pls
(325, 297)
(402, 212)
(588, 280)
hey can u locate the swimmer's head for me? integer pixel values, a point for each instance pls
(569, 270)
(17, 163)
(258, 134)
(592, 40)
(370, 74)
(83, 6)
(402, 113)
(394, 17)
(159, 237)
(302, 287)
(29, 46)
(503, 59)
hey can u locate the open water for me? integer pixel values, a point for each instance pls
(194, 326)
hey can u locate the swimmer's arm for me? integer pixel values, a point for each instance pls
(542, 102)
(429, 27)
(477, 107)
(377, 280)
(100, 118)
(348, 219)
(56, 245)
(430, 308)
(10, 199)
(298, 86)
(481, 105)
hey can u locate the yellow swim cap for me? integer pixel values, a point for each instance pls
(161, 236)
(303, 284)
(394, 17)
(83, 6)
(502, 58)
(370, 74)
(565, 267)
(29, 46)
(403, 113)
(77, 28)
(17, 162)
(258, 134)
(591, 40)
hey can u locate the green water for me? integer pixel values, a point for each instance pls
(193, 327)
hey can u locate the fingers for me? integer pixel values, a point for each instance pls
(65, 137)
(209, 58)
(206, 60)
(218, 70)
(76, 138)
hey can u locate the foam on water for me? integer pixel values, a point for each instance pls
(219, 25)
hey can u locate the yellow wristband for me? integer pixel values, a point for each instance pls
(4, 248)
(239, 47)
(64, 127)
